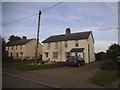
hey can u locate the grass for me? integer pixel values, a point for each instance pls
(104, 77)
(23, 66)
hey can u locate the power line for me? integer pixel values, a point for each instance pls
(31, 15)
(19, 19)
(52, 6)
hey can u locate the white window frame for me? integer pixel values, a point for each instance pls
(55, 55)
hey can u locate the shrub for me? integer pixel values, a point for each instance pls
(109, 64)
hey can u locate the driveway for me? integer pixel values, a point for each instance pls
(64, 77)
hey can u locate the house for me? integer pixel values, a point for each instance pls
(100, 55)
(59, 47)
(23, 49)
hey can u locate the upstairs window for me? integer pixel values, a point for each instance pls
(66, 45)
(48, 45)
(16, 47)
(56, 44)
(20, 47)
(76, 43)
(12, 47)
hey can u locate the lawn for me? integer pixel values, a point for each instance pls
(104, 77)
(25, 67)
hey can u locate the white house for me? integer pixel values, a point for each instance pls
(59, 47)
(23, 49)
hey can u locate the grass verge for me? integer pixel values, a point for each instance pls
(104, 77)
(24, 67)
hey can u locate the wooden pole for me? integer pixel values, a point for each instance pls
(36, 54)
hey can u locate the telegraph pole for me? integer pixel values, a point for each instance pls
(36, 54)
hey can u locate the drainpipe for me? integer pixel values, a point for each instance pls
(61, 51)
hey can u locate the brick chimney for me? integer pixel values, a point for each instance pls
(68, 31)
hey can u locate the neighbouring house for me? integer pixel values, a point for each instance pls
(59, 47)
(23, 49)
(100, 55)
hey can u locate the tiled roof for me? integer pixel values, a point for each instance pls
(64, 37)
(19, 42)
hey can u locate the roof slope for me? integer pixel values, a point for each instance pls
(19, 42)
(64, 37)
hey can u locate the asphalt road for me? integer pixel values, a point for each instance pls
(62, 77)
(13, 82)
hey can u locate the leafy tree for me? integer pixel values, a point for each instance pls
(3, 45)
(13, 38)
(113, 51)
(24, 38)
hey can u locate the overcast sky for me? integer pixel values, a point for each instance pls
(99, 17)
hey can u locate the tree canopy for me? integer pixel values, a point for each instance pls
(13, 38)
(113, 51)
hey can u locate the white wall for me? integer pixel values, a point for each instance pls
(28, 50)
(62, 49)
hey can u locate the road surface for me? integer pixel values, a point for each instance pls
(13, 82)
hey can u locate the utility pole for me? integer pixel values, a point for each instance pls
(36, 54)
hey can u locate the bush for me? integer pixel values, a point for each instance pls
(109, 64)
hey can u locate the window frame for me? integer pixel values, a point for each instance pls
(66, 44)
(48, 46)
(76, 43)
(55, 55)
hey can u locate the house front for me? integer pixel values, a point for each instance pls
(59, 47)
(23, 49)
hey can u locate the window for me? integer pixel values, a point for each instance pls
(48, 45)
(55, 55)
(8, 47)
(16, 47)
(12, 47)
(11, 55)
(16, 54)
(21, 54)
(76, 54)
(67, 54)
(20, 47)
(66, 44)
(56, 44)
(76, 43)
(46, 54)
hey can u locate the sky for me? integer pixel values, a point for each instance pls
(99, 17)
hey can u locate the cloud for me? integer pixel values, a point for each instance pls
(102, 45)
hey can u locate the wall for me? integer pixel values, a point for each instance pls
(14, 51)
(62, 49)
(92, 51)
(30, 49)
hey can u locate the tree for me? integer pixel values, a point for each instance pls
(113, 51)
(24, 38)
(3, 45)
(13, 38)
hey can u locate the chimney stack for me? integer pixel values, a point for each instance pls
(68, 31)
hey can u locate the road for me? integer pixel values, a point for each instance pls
(13, 82)
(62, 77)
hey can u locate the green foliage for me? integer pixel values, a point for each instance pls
(13, 38)
(104, 77)
(109, 64)
(113, 51)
